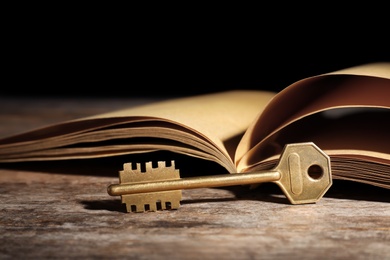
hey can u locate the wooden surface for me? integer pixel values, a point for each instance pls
(62, 210)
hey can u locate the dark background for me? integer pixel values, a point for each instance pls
(87, 54)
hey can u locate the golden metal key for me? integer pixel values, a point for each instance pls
(303, 173)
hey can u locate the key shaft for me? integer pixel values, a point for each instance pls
(221, 180)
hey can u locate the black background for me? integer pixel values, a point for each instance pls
(105, 54)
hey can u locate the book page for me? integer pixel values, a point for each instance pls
(346, 113)
(205, 126)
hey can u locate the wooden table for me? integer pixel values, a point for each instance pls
(62, 210)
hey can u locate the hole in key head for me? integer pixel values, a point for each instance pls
(315, 171)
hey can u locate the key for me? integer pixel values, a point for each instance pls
(303, 173)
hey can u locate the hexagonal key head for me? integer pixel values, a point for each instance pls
(305, 173)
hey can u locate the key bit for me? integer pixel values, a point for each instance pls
(150, 201)
(303, 173)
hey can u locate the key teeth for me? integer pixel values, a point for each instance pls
(158, 206)
(148, 165)
(152, 201)
(161, 172)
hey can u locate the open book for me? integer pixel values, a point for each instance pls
(345, 113)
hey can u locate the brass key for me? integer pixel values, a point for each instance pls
(303, 173)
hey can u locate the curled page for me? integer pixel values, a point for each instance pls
(346, 113)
